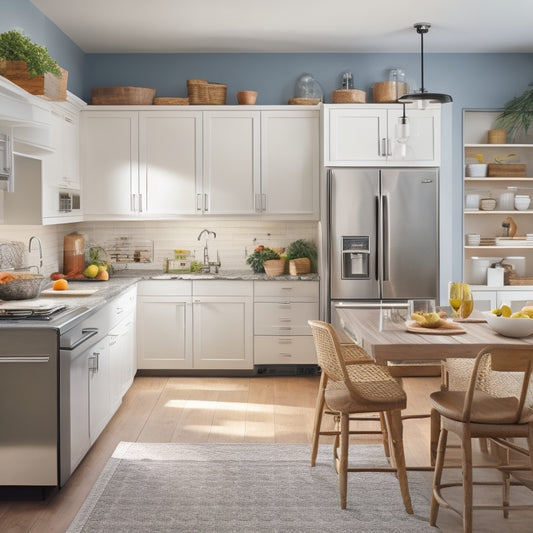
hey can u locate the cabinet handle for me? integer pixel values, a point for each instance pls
(140, 203)
(285, 319)
(119, 310)
(263, 202)
(133, 200)
(389, 144)
(285, 354)
(258, 202)
(198, 202)
(285, 328)
(383, 147)
(285, 341)
(205, 203)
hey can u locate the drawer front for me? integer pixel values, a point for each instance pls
(284, 318)
(284, 351)
(172, 287)
(123, 305)
(286, 291)
(222, 288)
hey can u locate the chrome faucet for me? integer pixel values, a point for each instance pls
(40, 251)
(208, 264)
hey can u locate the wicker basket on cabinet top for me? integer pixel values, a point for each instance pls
(299, 266)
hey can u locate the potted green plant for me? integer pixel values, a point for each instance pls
(302, 256)
(517, 115)
(261, 254)
(30, 66)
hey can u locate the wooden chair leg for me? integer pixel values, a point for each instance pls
(384, 434)
(468, 489)
(343, 462)
(437, 476)
(394, 419)
(319, 411)
(434, 435)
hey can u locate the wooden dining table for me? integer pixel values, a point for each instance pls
(387, 339)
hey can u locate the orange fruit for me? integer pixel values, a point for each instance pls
(60, 285)
(103, 275)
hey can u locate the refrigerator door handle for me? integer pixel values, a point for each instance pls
(377, 253)
(386, 238)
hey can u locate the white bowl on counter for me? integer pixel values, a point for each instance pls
(476, 170)
(510, 327)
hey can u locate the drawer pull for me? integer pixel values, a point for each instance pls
(285, 354)
(285, 328)
(285, 319)
(285, 341)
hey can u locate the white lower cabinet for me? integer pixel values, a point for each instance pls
(485, 300)
(281, 312)
(223, 324)
(164, 325)
(99, 389)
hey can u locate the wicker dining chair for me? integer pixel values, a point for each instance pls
(490, 412)
(352, 355)
(356, 389)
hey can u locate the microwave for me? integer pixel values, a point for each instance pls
(69, 201)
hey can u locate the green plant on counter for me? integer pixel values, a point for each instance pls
(259, 256)
(15, 46)
(517, 115)
(303, 248)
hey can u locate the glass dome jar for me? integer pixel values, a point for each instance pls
(307, 87)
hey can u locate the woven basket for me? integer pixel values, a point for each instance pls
(507, 171)
(388, 91)
(122, 96)
(201, 92)
(274, 267)
(348, 96)
(171, 101)
(304, 101)
(496, 136)
(299, 266)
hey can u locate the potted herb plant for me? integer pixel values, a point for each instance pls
(517, 115)
(302, 256)
(30, 66)
(261, 254)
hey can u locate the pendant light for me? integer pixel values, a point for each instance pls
(422, 94)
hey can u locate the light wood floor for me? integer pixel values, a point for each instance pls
(193, 409)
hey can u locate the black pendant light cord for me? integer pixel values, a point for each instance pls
(422, 88)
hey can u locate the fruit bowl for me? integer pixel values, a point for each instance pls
(510, 327)
(23, 286)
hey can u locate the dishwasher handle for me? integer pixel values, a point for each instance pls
(87, 333)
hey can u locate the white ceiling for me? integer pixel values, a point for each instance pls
(159, 26)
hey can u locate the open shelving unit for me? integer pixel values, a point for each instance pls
(476, 124)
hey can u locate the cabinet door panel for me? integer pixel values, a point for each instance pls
(99, 389)
(231, 162)
(290, 162)
(109, 163)
(223, 332)
(170, 161)
(164, 333)
(356, 135)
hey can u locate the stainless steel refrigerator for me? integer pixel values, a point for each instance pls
(382, 236)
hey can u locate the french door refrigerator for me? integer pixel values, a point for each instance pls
(382, 236)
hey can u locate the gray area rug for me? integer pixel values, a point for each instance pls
(246, 488)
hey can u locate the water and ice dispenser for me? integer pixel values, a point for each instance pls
(355, 257)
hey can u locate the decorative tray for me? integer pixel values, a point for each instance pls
(447, 328)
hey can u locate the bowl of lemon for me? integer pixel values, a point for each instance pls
(509, 324)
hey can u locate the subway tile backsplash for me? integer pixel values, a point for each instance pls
(235, 239)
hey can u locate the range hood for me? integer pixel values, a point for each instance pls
(25, 119)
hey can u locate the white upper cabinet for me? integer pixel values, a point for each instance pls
(231, 162)
(368, 135)
(289, 163)
(170, 161)
(109, 163)
(225, 161)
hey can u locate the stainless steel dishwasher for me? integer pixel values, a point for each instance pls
(29, 406)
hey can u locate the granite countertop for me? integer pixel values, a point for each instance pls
(222, 275)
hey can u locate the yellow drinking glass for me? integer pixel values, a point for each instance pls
(455, 296)
(467, 302)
